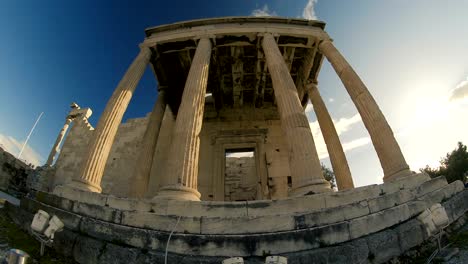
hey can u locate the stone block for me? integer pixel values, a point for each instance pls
(158, 257)
(64, 241)
(114, 254)
(430, 186)
(99, 212)
(443, 193)
(163, 223)
(416, 207)
(81, 196)
(128, 204)
(54, 200)
(383, 246)
(335, 199)
(332, 215)
(405, 183)
(457, 205)
(378, 221)
(280, 243)
(390, 200)
(87, 250)
(286, 206)
(410, 234)
(352, 252)
(114, 233)
(199, 245)
(207, 209)
(246, 225)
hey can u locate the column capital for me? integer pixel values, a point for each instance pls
(311, 85)
(145, 45)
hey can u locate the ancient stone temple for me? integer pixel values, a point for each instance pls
(225, 165)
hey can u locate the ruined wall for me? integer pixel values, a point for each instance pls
(121, 161)
(13, 173)
(241, 179)
(73, 149)
(120, 165)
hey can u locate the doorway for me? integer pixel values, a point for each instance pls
(240, 174)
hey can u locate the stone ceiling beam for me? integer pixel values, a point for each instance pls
(237, 75)
(304, 70)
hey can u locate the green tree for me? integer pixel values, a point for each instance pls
(454, 166)
(329, 175)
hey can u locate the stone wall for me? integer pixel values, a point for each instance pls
(257, 128)
(13, 173)
(241, 180)
(120, 165)
(121, 161)
(231, 128)
(238, 128)
(73, 150)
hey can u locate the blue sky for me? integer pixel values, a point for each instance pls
(412, 55)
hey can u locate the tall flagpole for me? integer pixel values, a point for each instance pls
(30, 132)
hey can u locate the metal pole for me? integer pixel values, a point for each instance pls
(30, 132)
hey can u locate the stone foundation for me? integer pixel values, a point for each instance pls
(370, 224)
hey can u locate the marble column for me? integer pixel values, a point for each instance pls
(103, 136)
(58, 141)
(335, 150)
(391, 158)
(184, 151)
(306, 171)
(147, 147)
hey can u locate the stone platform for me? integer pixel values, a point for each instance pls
(370, 224)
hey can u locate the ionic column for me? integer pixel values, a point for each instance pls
(391, 159)
(335, 150)
(58, 141)
(183, 154)
(100, 145)
(147, 147)
(306, 172)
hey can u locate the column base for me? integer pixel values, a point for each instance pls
(398, 175)
(78, 185)
(178, 193)
(313, 187)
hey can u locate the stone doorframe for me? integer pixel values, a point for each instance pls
(239, 139)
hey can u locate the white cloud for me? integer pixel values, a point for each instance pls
(342, 125)
(331, 100)
(356, 143)
(262, 12)
(13, 146)
(309, 10)
(460, 92)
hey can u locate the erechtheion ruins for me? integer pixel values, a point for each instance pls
(225, 165)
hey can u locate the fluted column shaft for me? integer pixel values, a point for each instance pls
(306, 172)
(335, 150)
(58, 141)
(184, 151)
(391, 158)
(147, 147)
(100, 145)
